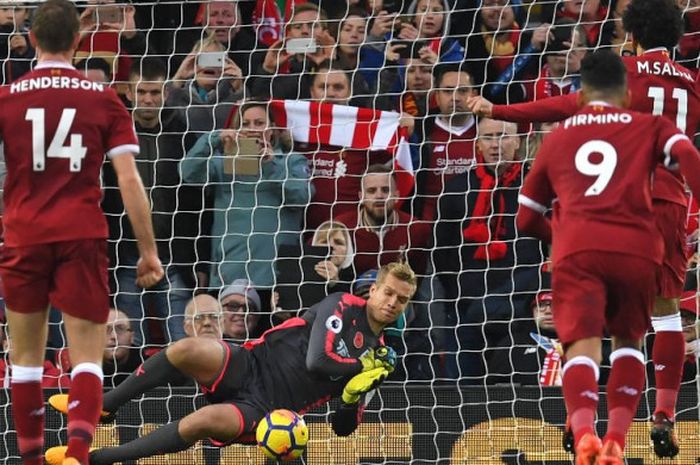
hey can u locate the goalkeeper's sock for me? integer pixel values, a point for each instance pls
(84, 407)
(624, 390)
(28, 413)
(580, 387)
(154, 372)
(164, 440)
(668, 356)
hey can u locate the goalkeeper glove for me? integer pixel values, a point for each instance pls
(385, 356)
(363, 383)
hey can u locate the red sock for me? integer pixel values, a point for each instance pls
(580, 388)
(84, 407)
(28, 413)
(668, 356)
(624, 390)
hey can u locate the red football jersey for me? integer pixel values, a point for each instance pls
(57, 127)
(598, 166)
(657, 85)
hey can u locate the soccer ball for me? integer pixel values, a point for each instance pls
(282, 435)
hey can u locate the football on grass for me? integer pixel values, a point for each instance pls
(282, 435)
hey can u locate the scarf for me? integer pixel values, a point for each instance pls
(502, 53)
(486, 225)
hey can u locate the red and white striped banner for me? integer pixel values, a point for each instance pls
(349, 127)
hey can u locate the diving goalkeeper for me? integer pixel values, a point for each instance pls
(334, 349)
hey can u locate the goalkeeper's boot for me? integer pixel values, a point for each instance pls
(567, 439)
(57, 456)
(663, 436)
(60, 403)
(610, 454)
(587, 449)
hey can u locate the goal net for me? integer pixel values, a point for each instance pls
(289, 148)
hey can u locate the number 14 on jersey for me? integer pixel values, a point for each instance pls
(75, 152)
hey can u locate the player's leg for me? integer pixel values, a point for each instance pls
(86, 340)
(25, 275)
(201, 359)
(28, 333)
(630, 303)
(579, 318)
(222, 422)
(669, 345)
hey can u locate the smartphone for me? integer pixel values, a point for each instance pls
(211, 59)
(244, 159)
(299, 46)
(392, 6)
(108, 14)
(406, 51)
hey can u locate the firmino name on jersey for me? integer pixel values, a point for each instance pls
(598, 118)
(662, 69)
(55, 82)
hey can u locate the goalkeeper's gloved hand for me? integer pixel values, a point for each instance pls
(385, 356)
(368, 361)
(362, 383)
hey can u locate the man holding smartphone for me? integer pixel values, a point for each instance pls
(307, 43)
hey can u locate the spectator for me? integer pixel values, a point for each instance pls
(449, 147)
(492, 48)
(16, 53)
(203, 316)
(335, 171)
(110, 32)
(482, 225)
(121, 357)
(281, 74)
(206, 92)
(307, 274)
(429, 23)
(477, 251)
(381, 234)
(223, 21)
(255, 212)
(96, 69)
(531, 354)
(560, 74)
(242, 306)
(162, 144)
(350, 35)
(594, 17)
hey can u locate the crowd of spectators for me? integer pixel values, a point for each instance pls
(254, 227)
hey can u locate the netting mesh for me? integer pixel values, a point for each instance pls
(270, 236)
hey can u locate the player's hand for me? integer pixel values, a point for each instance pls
(18, 44)
(480, 106)
(149, 271)
(363, 383)
(386, 356)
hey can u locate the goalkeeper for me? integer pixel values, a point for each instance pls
(334, 349)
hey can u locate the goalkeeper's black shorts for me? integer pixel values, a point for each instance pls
(236, 385)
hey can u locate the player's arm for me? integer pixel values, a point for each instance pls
(544, 111)
(327, 331)
(356, 394)
(149, 269)
(534, 200)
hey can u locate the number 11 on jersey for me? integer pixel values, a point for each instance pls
(75, 152)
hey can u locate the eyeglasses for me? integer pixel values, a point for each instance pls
(119, 329)
(234, 307)
(199, 317)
